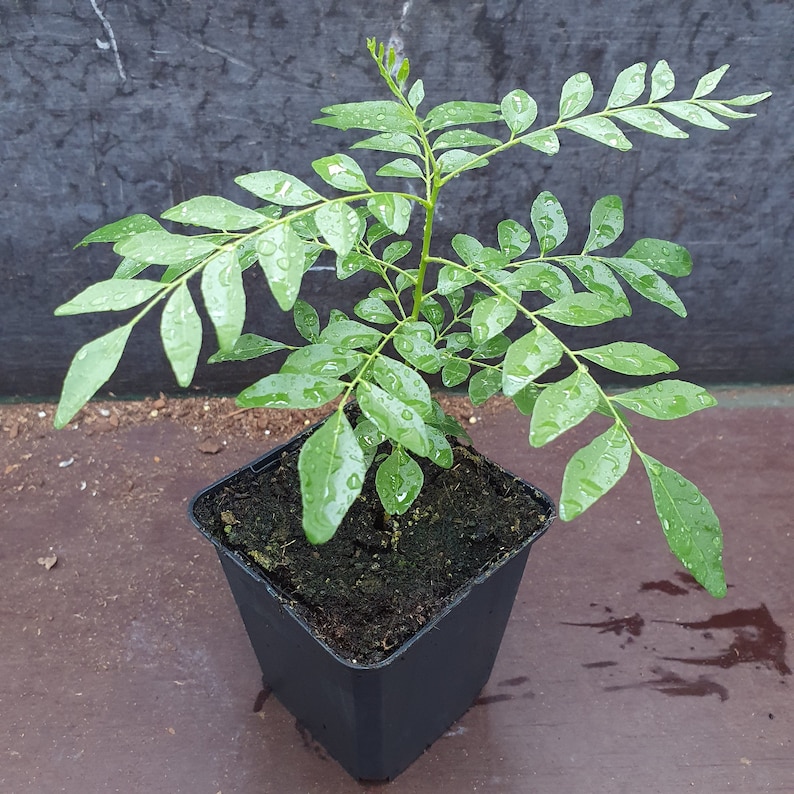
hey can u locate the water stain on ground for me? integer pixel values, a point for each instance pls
(631, 624)
(669, 683)
(756, 638)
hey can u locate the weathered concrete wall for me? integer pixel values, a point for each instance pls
(112, 107)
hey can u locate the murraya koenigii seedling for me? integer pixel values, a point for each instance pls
(429, 313)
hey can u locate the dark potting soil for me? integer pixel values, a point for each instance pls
(380, 578)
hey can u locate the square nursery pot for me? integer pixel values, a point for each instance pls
(376, 719)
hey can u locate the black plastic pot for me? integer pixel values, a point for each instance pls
(376, 719)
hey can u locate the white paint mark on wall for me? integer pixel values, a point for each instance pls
(110, 44)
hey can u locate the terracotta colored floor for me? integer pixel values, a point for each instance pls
(125, 668)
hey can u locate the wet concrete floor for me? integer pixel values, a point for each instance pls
(124, 666)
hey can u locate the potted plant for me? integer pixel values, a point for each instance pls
(491, 315)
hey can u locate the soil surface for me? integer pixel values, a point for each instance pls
(381, 577)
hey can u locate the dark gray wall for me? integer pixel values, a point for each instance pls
(165, 100)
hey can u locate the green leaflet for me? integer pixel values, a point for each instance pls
(332, 467)
(92, 365)
(528, 358)
(399, 480)
(392, 210)
(214, 212)
(598, 279)
(246, 347)
(380, 116)
(662, 81)
(561, 406)
(393, 417)
(483, 385)
(549, 222)
(690, 525)
(668, 399)
(593, 470)
(180, 330)
(513, 238)
(402, 167)
(342, 172)
(339, 224)
(460, 112)
(602, 130)
(163, 248)
(647, 283)
(661, 255)
(374, 310)
(490, 317)
(278, 188)
(606, 223)
(397, 142)
(630, 358)
(453, 139)
(322, 359)
(111, 295)
(576, 95)
(290, 390)
(629, 84)
(454, 372)
(350, 333)
(307, 321)
(459, 160)
(118, 230)
(281, 257)
(652, 121)
(519, 111)
(403, 383)
(224, 297)
(583, 309)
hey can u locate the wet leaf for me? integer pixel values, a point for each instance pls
(561, 406)
(278, 188)
(393, 417)
(629, 84)
(694, 115)
(606, 223)
(545, 141)
(648, 283)
(513, 238)
(602, 130)
(342, 172)
(690, 525)
(246, 347)
(490, 317)
(391, 210)
(418, 352)
(378, 115)
(332, 467)
(582, 309)
(661, 255)
(454, 372)
(399, 480)
(180, 330)
(110, 295)
(281, 257)
(403, 383)
(453, 139)
(598, 279)
(306, 320)
(459, 160)
(460, 112)
(402, 167)
(374, 310)
(528, 358)
(709, 82)
(668, 399)
(397, 142)
(224, 297)
(519, 111)
(651, 121)
(549, 222)
(339, 224)
(92, 366)
(594, 470)
(630, 358)
(576, 95)
(350, 333)
(483, 385)
(214, 212)
(662, 81)
(290, 390)
(163, 248)
(540, 277)
(118, 230)
(322, 359)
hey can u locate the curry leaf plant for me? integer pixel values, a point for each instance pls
(429, 313)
